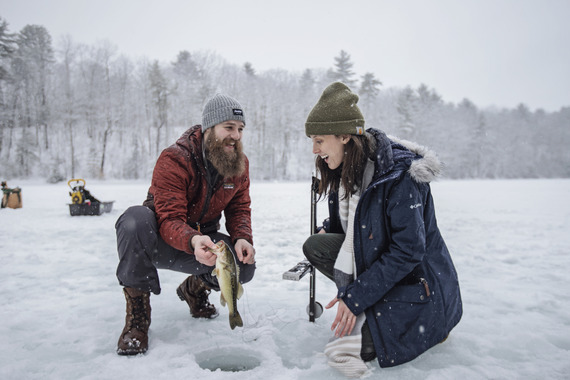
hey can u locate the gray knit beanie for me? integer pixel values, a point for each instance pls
(336, 113)
(219, 109)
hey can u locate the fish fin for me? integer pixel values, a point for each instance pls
(239, 291)
(215, 272)
(222, 299)
(235, 320)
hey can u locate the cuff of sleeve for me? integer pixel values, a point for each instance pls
(248, 239)
(190, 249)
(342, 279)
(345, 295)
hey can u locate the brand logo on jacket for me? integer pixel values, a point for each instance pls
(229, 186)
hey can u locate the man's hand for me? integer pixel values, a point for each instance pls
(200, 244)
(245, 251)
(345, 319)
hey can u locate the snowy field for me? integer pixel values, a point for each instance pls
(62, 309)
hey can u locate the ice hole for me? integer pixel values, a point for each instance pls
(229, 359)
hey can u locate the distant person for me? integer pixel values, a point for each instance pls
(398, 292)
(202, 175)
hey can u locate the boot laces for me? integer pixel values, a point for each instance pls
(203, 302)
(138, 318)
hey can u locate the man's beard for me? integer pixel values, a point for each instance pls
(228, 164)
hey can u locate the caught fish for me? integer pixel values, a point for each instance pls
(227, 273)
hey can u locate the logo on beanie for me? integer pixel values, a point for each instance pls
(359, 130)
(237, 111)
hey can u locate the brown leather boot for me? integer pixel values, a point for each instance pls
(134, 338)
(195, 293)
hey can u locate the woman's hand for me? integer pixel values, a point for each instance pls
(345, 319)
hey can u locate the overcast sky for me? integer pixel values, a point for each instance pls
(493, 52)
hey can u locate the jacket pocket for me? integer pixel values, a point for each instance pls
(415, 293)
(406, 318)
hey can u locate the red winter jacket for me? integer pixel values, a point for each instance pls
(179, 191)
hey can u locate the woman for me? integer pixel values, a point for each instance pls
(381, 244)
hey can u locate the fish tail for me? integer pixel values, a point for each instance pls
(235, 320)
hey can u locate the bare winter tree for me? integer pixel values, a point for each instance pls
(159, 101)
(90, 112)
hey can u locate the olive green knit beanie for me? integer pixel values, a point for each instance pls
(336, 113)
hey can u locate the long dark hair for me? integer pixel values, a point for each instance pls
(349, 173)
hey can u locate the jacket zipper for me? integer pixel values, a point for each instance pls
(426, 286)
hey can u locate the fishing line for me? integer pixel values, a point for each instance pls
(263, 324)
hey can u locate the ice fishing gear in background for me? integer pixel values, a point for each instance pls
(314, 309)
(82, 202)
(11, 198)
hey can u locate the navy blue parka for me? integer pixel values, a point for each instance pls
(406, 282)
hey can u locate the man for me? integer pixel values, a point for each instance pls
(202, 175)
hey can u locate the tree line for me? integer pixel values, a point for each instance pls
(75, 110)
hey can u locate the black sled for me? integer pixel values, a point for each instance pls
(83, 203)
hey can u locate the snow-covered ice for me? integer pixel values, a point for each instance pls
(62, 309)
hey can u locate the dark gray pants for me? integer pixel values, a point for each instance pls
(322, 250)
(142, 251)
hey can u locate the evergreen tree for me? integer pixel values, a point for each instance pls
(472, 132)
(7, 49)
(343, 72)
(249, 70)
(307, 82)
(368, 92)
(407, 106)
(187, 102)
(31, 68)
(428, 112)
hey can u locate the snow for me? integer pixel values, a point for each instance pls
(62, 309)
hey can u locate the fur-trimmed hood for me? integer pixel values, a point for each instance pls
(421, 163)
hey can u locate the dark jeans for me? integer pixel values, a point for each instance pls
(142, 251)
(322, 250)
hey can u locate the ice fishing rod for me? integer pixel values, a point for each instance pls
(314, 309)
